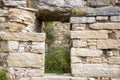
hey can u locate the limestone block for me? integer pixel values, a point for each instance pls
(3, 12)
(15, 27)
(75, 59)
(3, 60)
(38, 47)
(115, 18)
(82, 20)
(22, 16)
(115, 78)
(13, 46)
(101, 18)
(79, 43)
(92, 42)
(25, 60)
(98, 3)
(107, 44)
(105, 26)
(2, 19)
(89, 34)
(118, 34)
(22, 36)
(3, 26)
(114, 60)
(85, 52)
(16, 73)
(4, 46)
(76, 27)
(93, 70)
(94, 60)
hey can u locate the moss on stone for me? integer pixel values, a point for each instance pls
(78, 12)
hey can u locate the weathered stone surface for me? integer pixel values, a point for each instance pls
(105, 26)
(3, 26)
(94, 60)
(16, 73)
(107, 44)
(13, 46)
(38, 47)
(85, 52)
(115, 18)
(75, 59)
(115, 78)
(25, 60)
(93, 70)
(76, 27)
(82, 20)
(22, 36)
(92, 42)
(3, 57)
(79, 43)
(102, 18)
(4, 46)
(2, 19)
(114, 60)
(118, 34)
(22, 16)
(89, 34)
(98, 3)
(3, 12)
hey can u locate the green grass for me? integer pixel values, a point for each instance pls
(57, 60)
(3, 75)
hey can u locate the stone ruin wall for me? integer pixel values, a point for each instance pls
(95, 51)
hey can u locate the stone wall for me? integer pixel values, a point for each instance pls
(95, 48)
(22, 50)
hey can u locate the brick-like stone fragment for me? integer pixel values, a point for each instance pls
(93, 70)
(115, 18)
(85, 52)
(3, 12)
(105, 26)
(13, 46)
(89, 34)
(22, 36)
(92, 42)
(79, 43)
(75, 59)
(25, 60)
(107, 44)
(76, 27)
(115, 78)
(2, 19)
(114, 60)
(82, 20)
(102, 18)
(94, 60)
(118, 34)
(4, 46)
(24, 72)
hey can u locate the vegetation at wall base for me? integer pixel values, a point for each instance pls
(3, 75)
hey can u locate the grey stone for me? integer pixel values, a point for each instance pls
(13, 46)
(82, 20)
(2, 19)
(115, 18)
(79, 43)
(102, 18)
(98, 3)
(4, 46)
(3, 12)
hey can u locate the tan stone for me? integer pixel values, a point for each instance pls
(13, 46)
(89, 34)
(118, 34)
(25, 60)
(75, 59)
(115, 18)
(3, 12)
(114, 60)
(107, 44)
(105, 26)
(22, 36)
(4, 46)
(92, 42)
(79, 43)
(93, 70)
(76, 27)
(2, 19)
(115, 78)
(102, 18)
(94, 60)
(85, 52)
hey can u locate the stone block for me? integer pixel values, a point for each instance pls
(3, 26)
(92, 42)
(3, 12)
(114, 60)
(102, 18)
(38, 47)
(76, 27)
(118, 34)
(4, 46)
(105, 26)
(115, 78)
(13, 46)
(82, 20)
(21, 16)
(88, 34)
(115, 18)
(22, 36)
(93, 70)
(79, 43)
(2, 19)
(3, 60)
(94, 60)
(16, 73)
(25, 60)
(107, 44)
(75, 59)
(84, 52)
(98, 3)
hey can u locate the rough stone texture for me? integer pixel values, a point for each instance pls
(22, 36)
(94, 60)
(107, 44)
(89, 34)
(85, 52)
(25, 60)
(3, 57)
(102, 18)
(115, 18)
(78, 43)
(76, 27)
(3, 12)
(105, 26)
(118, 34)
(75, 59)
(2, 19)
(114, 60)
(98, 3)
(82, 19)
(4, 46)
(99, 70)
(13, 46)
